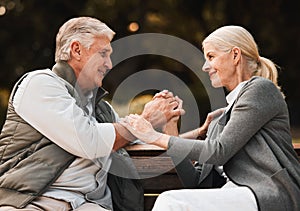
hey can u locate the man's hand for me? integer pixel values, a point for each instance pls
(162, 108)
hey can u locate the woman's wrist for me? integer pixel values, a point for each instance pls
(201, 133)
(162, 141)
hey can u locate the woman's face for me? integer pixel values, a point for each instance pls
(220, 67)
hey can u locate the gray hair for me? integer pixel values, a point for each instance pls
(81, 29)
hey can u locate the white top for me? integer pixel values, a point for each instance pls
(43, 101)
(231, 97)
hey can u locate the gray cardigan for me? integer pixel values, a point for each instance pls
(253, 143)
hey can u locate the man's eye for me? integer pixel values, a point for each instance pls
(103, 53)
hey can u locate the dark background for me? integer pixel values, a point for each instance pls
(28, 30)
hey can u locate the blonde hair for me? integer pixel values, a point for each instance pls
(82, 29)
(227, 37)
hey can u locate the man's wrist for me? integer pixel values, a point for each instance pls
(171, 128)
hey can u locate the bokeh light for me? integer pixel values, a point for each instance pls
(133, 27)
(2, 10)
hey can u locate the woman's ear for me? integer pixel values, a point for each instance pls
(75, 50)
(236, 54)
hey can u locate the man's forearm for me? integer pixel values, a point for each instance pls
(171, 128)
(123, 137)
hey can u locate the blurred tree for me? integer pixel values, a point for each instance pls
(28, 28)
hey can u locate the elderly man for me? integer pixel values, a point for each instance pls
(57, 140)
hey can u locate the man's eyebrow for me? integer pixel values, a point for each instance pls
(104, 50)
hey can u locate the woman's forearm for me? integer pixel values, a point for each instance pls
(198, 133)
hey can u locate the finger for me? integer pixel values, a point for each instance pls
(169, 95)
(161, 94)
(132, 116)
(130, 119)
(164, 94)
(177, 98)
(125, 119)
(128, 127)
(180, 102)
(182, 111)
(209, 116)
(164, 91)
(174, 105)
(136, 116)
(178, 112)
(158, 95)
(217, 112)
(125, 124)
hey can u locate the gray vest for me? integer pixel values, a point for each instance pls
(24, 151)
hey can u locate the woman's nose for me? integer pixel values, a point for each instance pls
(206, 66)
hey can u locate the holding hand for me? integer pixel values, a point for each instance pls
(162, 108)
(210, 116)
(200, 132)
(140, 128)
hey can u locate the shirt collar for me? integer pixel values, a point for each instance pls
(65, 71)
(89, 95)
(231, 97)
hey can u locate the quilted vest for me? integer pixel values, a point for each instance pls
(24, 151)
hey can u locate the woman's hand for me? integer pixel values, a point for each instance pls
(200, 133)
(210, 116)
(140, 128)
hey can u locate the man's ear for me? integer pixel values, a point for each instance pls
(75, 50)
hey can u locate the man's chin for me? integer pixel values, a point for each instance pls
(216, 85)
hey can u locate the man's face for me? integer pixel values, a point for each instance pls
(95, 64)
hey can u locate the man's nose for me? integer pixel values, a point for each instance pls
(108, 63)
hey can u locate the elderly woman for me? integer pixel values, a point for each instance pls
(248, 159)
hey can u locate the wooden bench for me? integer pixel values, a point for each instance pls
(157, 170)
(297, 148)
